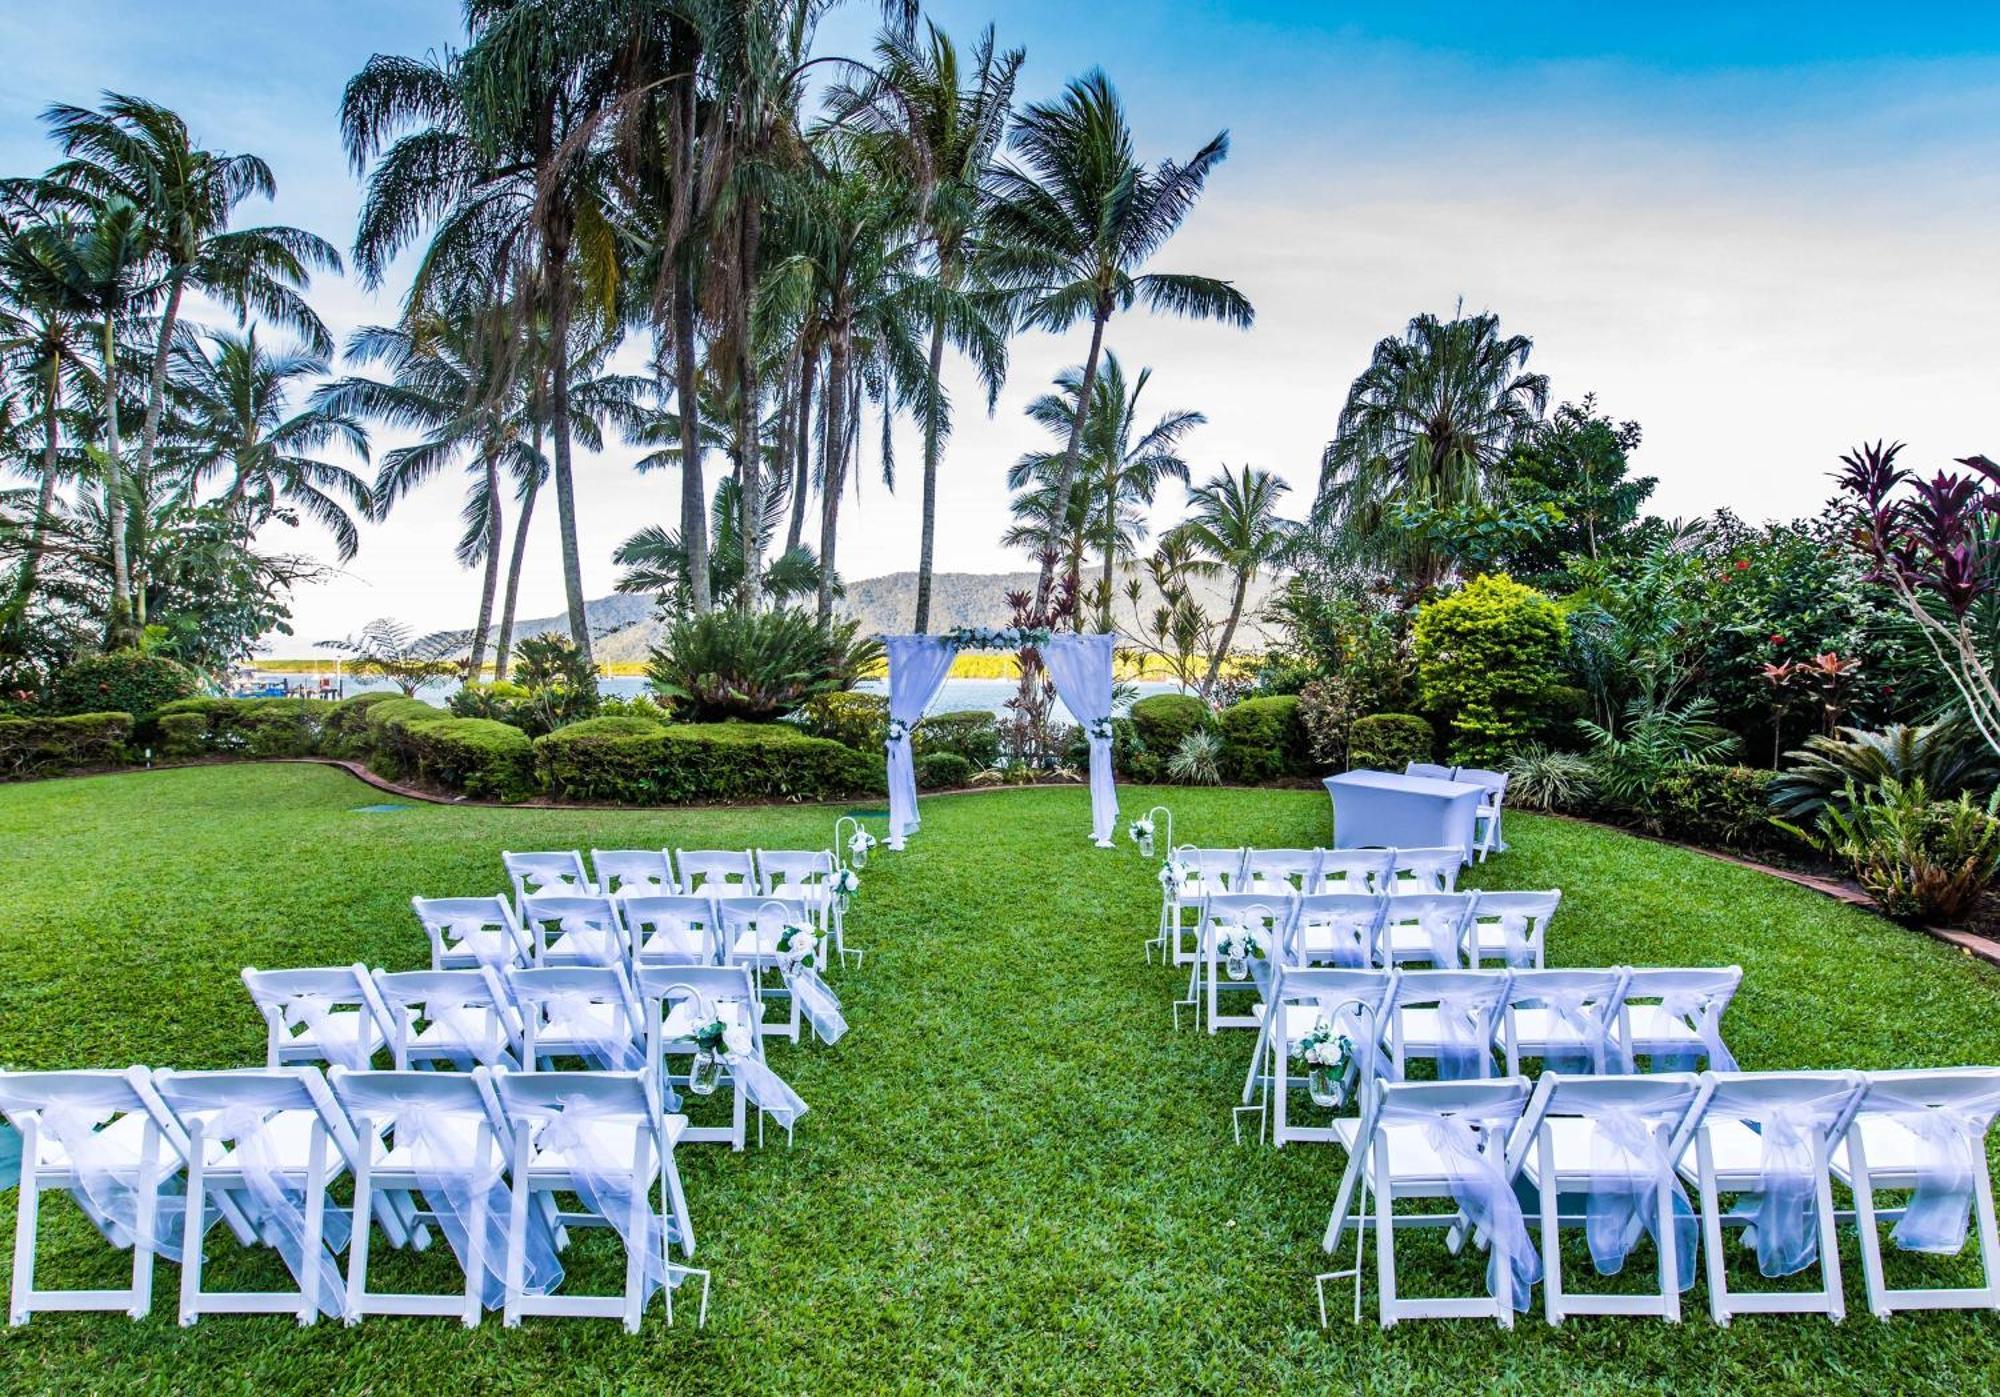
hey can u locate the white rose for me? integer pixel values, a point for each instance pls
(736, 1039)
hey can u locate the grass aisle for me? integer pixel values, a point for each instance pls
(1015, 1175)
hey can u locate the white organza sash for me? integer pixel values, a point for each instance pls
(1628, 1166)
(454, 1186)
(278, 1205)
(488, 944)
(589, 941)
(1464, 1039)
(590, 1024)
(606, 1185)
(1575, 1011)
(109, 1180)
(331, 1033)
(1356, 1023)
(765, 1089)
(473, 1027)
(1520, 951)
(1950, 1140)
(1479, 1186)
(816, 1000)
(1784, 1208)
(1698, 1008)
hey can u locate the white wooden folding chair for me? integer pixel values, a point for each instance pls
(1925, 1130)
(680, 929)
(1672, 1018)
(1431, 771)
(1608, 1146)
(750, 929)
(1355, 870)
(588, 1014)
(602, 1137)
(274, 1140)
(1447, 1017)
(1486, 819)
(89, 1134)
(1350, 1003)
(1770, 1135)
(1255, 926)
(436, 1149)
(1437, 1140)
(717, 873)
(675, 998)
(456, 1019)
(556, 873)
(1511, 928)
(326, 1016)
(626, 873)
(1205, 873)
(1340, 929)
(1418, 871)
(1424, 929)
(807, 874)
(1564, 1017)
(468, 932)
(576, 930)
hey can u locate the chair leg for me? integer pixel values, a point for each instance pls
(517, 1233)
(148, 1222)
(1829, 1237)
(193, 1229)
(1863, 1188)
(1385, 1235)
(1670, 1258)
(315, 1226)
(1989, 1234)
(26, 1215)
(357, 1245)
(1711, 1230)
(475, 1258)
(1552, 1291)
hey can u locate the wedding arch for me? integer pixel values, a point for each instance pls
(1080, 665)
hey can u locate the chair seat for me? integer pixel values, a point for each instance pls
(1737, 1149)
(1577, 1157)
(1535, 1028)
(1300, 1019)
(586, 1023)
(1652, 1024)
(1488, 940)
(344, 1028)
(1415, 1166)
(437, 1036)
(611, 1143)
(675, 946)
(1893, 1150)
(1419, 1032)
(680, 1020)
(1408, 942)
(456, 1136)
(120, 1142)
(286, 1142)
(755, 942)
(1327, 940)
(645, 887)
(490, 947)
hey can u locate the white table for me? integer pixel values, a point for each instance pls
(1386, 809)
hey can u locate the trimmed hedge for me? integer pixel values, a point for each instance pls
(487, 760)
(1725, 806)
(43, 746)
(124, 681)
(972, 735)
(860, 721)
(1130, 757)
(1488, 659)
(1388, 742)
(633, 762)
(943, 771)
(345, 731)
(265, 727)
(1164, 719)
(1263, 740)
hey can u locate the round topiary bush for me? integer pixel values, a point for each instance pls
(124, 681)
(860, 721)
(1164, 719)
(1489, 665)
(943, 770)
(1388, 742)
(1262, 740)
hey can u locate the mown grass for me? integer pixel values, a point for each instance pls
(1015, 1175)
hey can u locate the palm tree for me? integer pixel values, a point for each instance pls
(923, 115)
(656, 562)
(1426, 424)
(1118, 473)
(236, 398)
(410, 661)
(141, 152)
(1074, 222)
(41, 360)
(1234, 526)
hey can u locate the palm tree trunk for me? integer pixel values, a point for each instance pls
(579, 626)
(833, 470)
(694, 485)
(118, 622)
(45, 493)
(802, 451)
(750, 472)
(1228, 633)
(156, 386)
(475, 667)
(1068, 471)
(926, 549)
(1110, 542)
(504, 645)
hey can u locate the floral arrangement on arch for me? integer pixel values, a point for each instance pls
(998, 637)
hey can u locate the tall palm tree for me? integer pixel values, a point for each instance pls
(42, 349)
(236, 398)
(1234, 526)
(142, 152)
(1077, 218)
(1121, 468)
(1427, 423)
(939, 125)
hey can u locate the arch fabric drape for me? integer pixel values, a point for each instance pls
(918, 667)
(1081, 668)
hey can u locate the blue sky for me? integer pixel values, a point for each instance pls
(1765, 231)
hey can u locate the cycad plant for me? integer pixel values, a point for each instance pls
(757, 666)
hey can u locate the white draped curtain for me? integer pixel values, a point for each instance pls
(1081, 668)
(918, 667)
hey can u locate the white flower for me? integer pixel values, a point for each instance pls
(736, 1039)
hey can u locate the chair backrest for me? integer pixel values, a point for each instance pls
(632, 872)
(1355, 870)
(290, 999)
(1672, 1101)
(1430, 771)
(683, 920)
(1343, 988)
(576, 929)
(1586, 1002)
(92, 1090)
(736, 915)
(385, 1096)
(1442, 916)
(1426, 870)
(1280, 870)
(437, 994)
(541, 993)
(1972, 1090)
(1216, 870)
(1495, 782)
(1500, 1104)
(1697, 998)
(782, 870)
(1521, 918)
(716, 871)
(558, 871)
(1826, 1099)
(540, 1096)
(472, 930)
(1422, 988)
(660, 987)
(202, 1096)
(1348, 923)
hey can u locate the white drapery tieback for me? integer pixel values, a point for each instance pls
(1479, 1186)
(457, 1189)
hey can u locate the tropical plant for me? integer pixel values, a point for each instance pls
(1489, 661)
(1541, 778)
(1197, 761)
(1235, 531)
(1948, 756)
(1077, 217)
(656, 561)
(1650, 741)
(393, 650)
(560, 680)
(1920, 859)
(756, 666)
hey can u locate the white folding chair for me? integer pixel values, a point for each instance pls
(1205, 873)
(602, 1137)
(1437, 1140)
(557, 873)
(576, 930)
(1486, 819)
(807, 874)
(626, 873)
(1338, 929)
(1770, 1135)
(1447, 1017)
(1431, 771)
(588, 1013)
(1424, 929)
(458, 1019)
(1608, 1145)
(1672, 1017)
(675, 999)
(273, 1140)
(1925, 1130)
(717, 872)
(330, 1015)
(1279, 872)
(468, 932)
(1511, 928)
(1350, 1003)
(1255, 926)
(750, 929)
(1355, 870)
(89, 1134)
(676, 930)
(1564, 1017)
(1419, 871)
(436, 1150)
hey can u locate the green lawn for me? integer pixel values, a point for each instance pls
(1014, 1176)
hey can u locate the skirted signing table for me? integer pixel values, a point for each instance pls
(1386, 809)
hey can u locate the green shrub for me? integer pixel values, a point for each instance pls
(498, 700)
(1164, 719)
(1921, 860)
(1263, 740)
(1489, 664)
(44, 746)
(974, 736)
(860, 721)
(633, 762)
(124, 681)
(1130, 757)
(485, 759)
(389, 741)
(757, 666)
(1540, 778)
(261, 727)
(1388, 742)
(1327, 709)
(943, 771)
(182, 734)
(1723, 806)
(1949, 757)
(345, 731)
(632, 706)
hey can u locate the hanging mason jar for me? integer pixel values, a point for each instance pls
(1237, 964)
(860, 853)
(1146, 844)
(1323, 1083)
(706, 1073)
